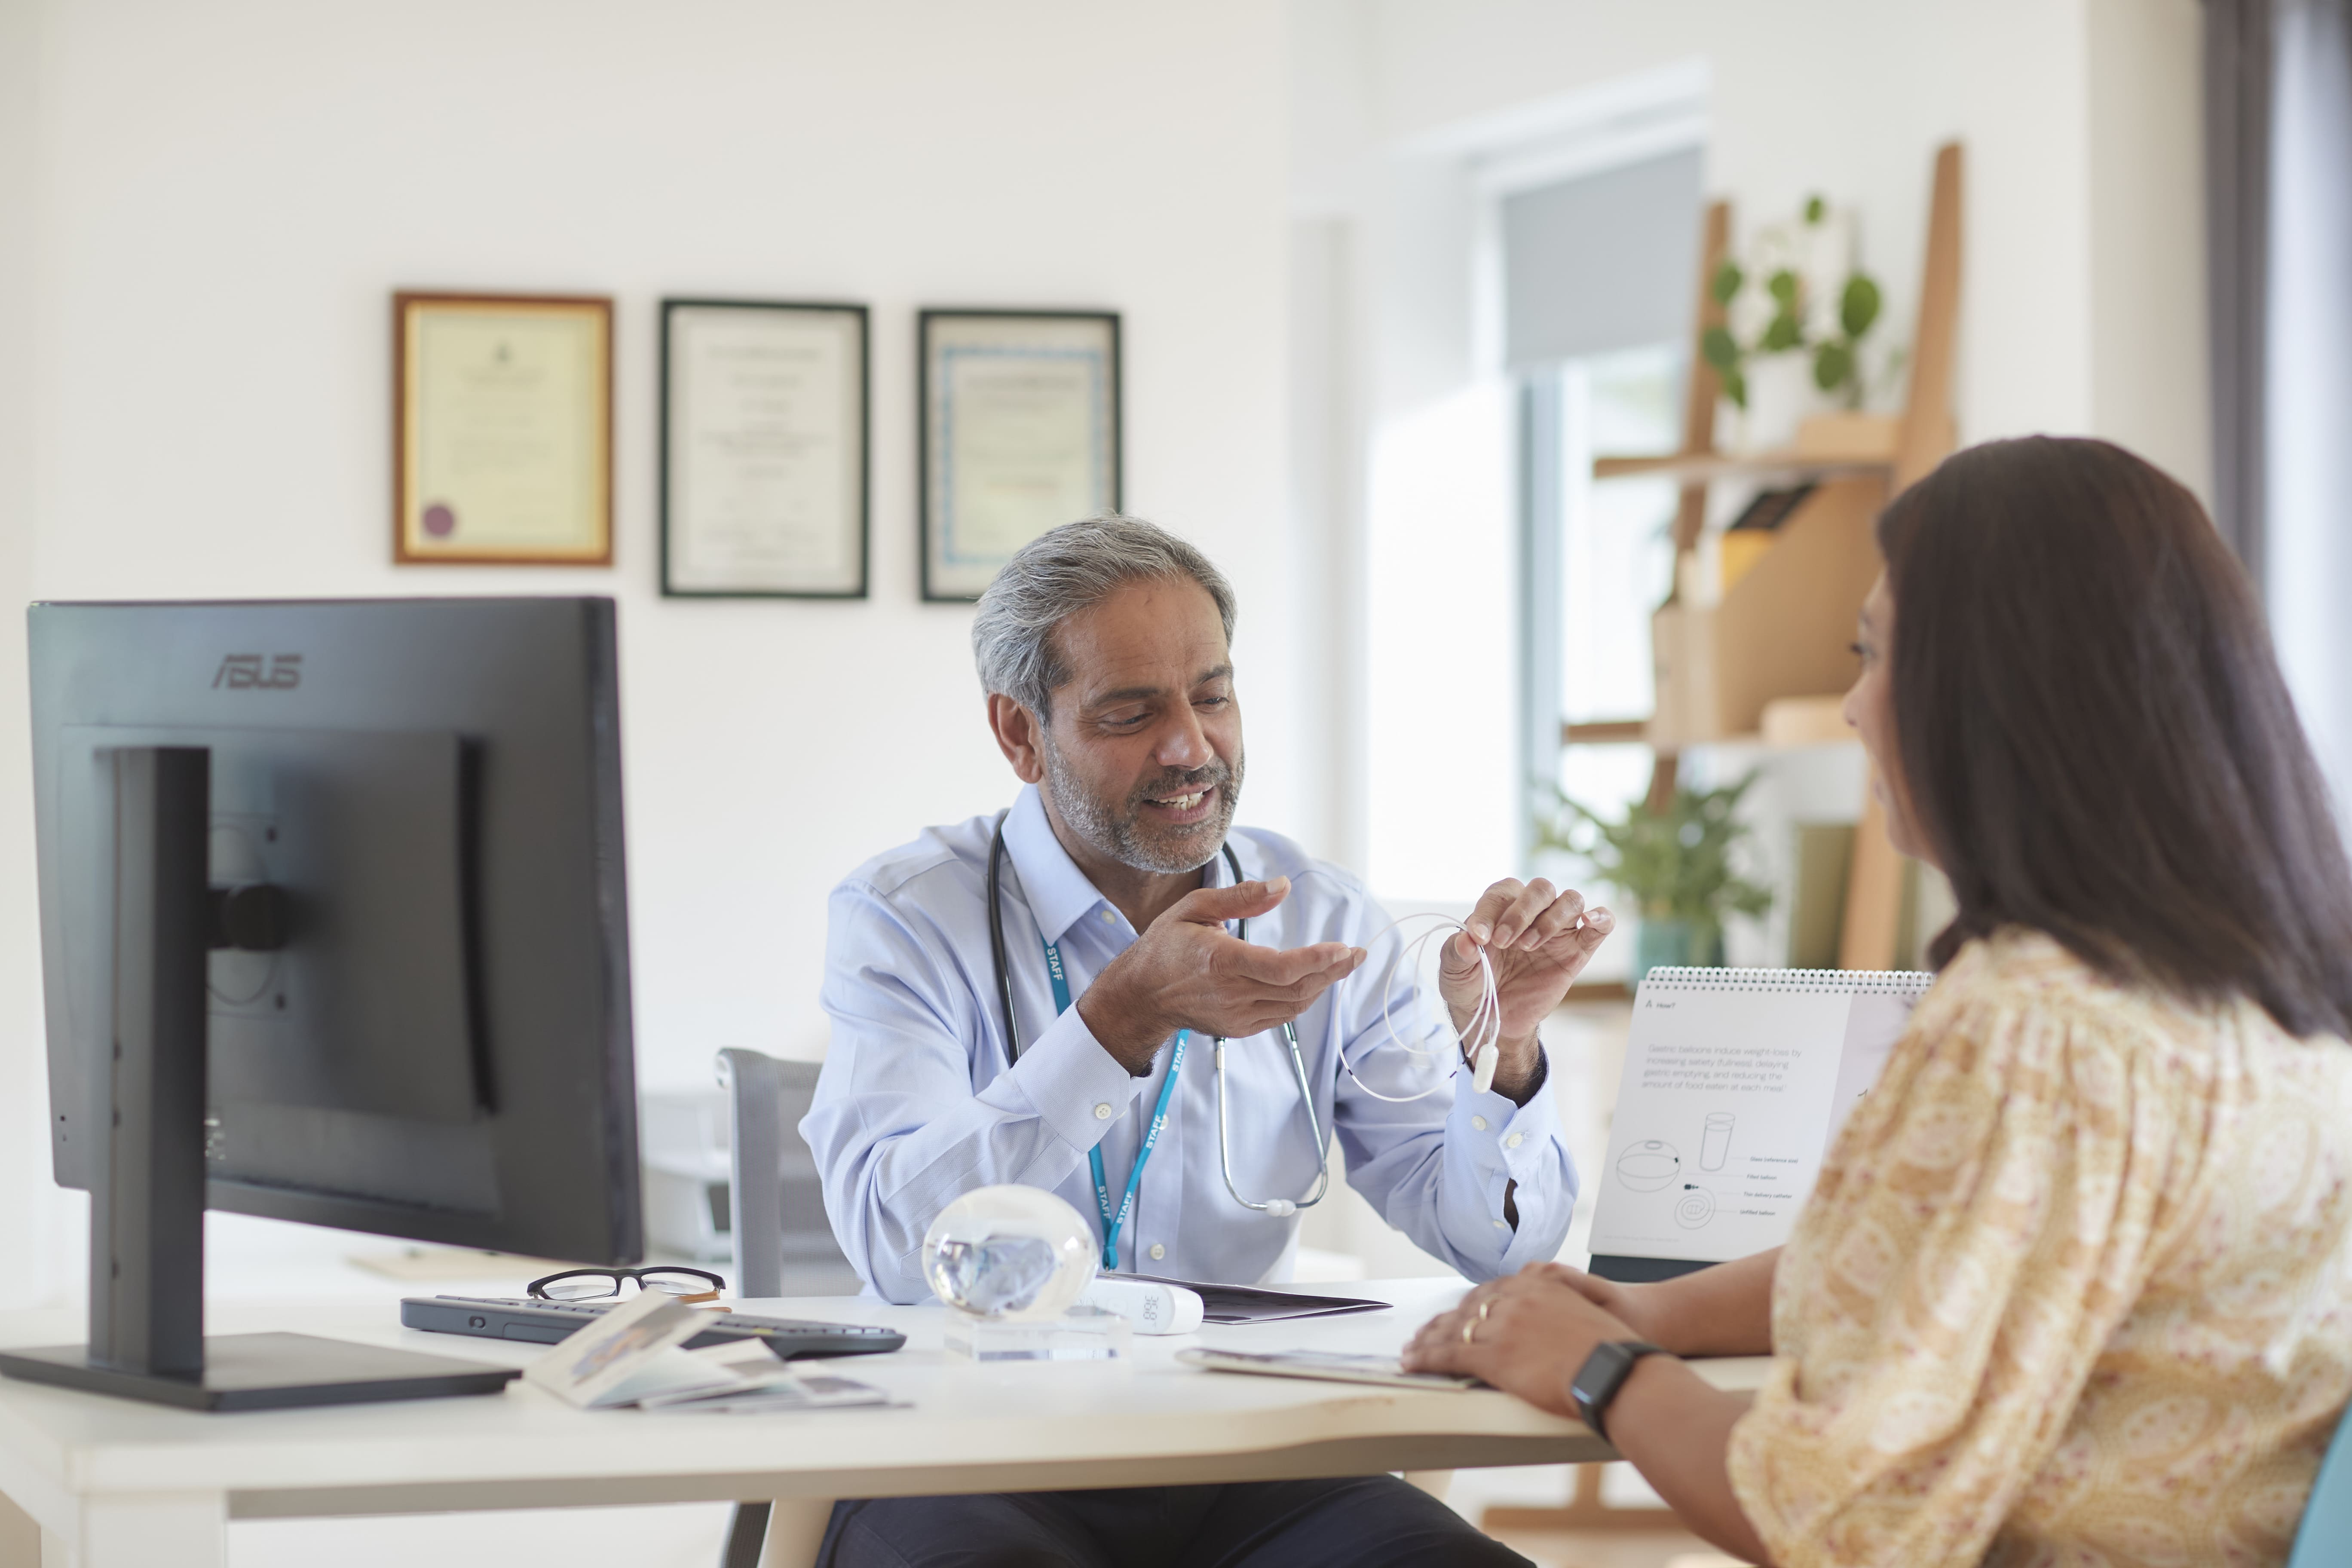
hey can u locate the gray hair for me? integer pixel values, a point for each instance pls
(1061, 571)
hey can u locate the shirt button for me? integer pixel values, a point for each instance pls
(1502, 1225)
(1515, 1139)
(1108, 917)
(1479, 1123)
(1102, 1112)
(1158, 1252)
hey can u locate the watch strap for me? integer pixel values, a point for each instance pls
(1604, 1371)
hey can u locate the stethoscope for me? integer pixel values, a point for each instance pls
(1280, 1208)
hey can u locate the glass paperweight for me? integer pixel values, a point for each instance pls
(1010, 1263)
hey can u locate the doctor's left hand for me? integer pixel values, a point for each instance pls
(1539, 939)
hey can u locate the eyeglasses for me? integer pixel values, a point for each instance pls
(589, 1284)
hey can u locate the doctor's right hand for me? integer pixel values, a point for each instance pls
(1188, 972)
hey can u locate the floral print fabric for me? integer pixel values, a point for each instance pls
(2072, 1288)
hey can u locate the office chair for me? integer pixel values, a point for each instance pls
(2324, 1539)
(784, 1243)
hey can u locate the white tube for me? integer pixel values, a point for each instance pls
(1150, 1307)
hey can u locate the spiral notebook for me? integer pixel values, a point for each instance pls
(1736, 1080)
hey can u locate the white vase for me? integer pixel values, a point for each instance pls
(1780, 393)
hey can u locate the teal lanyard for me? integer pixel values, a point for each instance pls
(1113, 1226)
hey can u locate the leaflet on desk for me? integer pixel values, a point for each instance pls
(596, 1364)
(633, 1355)
(1736, 1080)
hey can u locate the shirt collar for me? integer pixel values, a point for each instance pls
(1057, 894)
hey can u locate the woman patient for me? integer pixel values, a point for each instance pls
(2072, 1287)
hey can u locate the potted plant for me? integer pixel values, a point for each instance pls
(1673, 865)
(1797, 308)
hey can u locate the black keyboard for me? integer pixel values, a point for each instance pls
(546, 1322)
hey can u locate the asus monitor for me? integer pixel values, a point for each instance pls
(334, 927)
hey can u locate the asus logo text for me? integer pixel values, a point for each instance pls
(248, 672)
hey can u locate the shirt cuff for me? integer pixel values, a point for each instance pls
(1075, 1087)
(1512, 1140)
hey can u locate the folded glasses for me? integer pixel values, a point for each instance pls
(592, 1284)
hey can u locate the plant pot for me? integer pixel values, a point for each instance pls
(1675, 942)
(1780, 393)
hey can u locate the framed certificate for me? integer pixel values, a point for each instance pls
(1021, 432)
(763, 449)
(502, 429)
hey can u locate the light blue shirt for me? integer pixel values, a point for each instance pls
(916, 1105)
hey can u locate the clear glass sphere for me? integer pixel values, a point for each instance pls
(1016, 1254)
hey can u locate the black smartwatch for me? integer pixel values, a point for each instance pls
(1604, 1371)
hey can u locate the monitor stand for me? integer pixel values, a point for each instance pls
(147, 1195)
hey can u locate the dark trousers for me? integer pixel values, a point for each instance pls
(1363, 1521)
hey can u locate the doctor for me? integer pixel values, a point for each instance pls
(1104, 649)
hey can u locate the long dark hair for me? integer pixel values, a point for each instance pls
(2094, 736)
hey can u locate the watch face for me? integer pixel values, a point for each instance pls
(1601, 1375)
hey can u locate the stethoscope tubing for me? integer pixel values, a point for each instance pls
(1278, 1207)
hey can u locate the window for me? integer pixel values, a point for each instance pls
(1600, 559)
(1597, 287)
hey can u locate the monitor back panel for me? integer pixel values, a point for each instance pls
(442, 1050)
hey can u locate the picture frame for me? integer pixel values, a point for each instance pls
(502, 429)
(766, 449)
(1020, 421)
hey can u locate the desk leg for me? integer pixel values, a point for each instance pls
(157, 1530)
(795, 1529)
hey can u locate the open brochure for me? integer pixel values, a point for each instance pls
(634, 1355)
(1735, 1082)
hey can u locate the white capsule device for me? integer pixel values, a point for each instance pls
(1150, 1307)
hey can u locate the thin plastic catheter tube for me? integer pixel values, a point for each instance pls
(1480, 1034)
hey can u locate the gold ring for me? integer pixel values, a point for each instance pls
(1469, 1327)
(1484, 1308)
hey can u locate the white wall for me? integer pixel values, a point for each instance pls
(24, 1227)
(2150, 383)
(228, 194)
(2082, 311)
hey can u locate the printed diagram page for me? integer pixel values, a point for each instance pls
(1731, 1096)
(1873, 1022)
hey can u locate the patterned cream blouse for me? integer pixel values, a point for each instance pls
(2071, 1290)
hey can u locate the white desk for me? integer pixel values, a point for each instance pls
(115, 1484)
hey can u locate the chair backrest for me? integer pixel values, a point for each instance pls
(2324, 1537)
(775, 1200)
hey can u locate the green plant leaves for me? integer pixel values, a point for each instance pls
(1718, 347)
(1675, 864)
(1858, 307)
(1836, 361)
(1832, 364)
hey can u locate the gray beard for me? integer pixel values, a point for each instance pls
(1119, 832)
